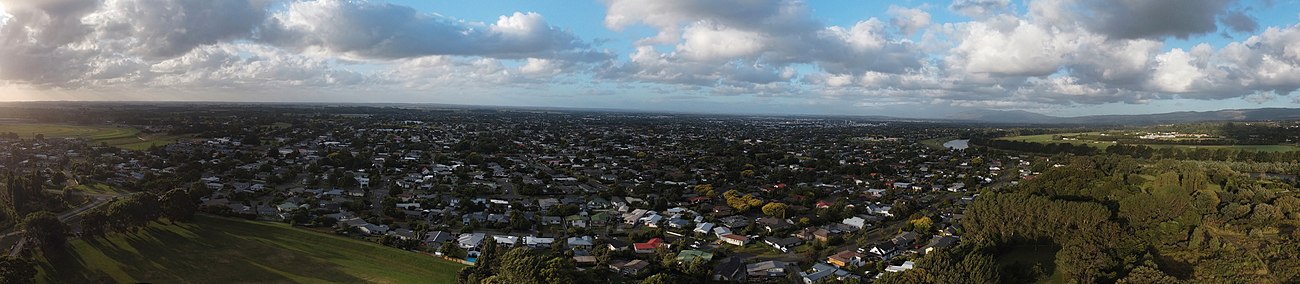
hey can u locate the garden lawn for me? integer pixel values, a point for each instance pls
(222, 250)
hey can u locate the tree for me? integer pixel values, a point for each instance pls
(450, 249)
(559, 270)
(45, 230)
(94, 223)
(923, 224)
(775, 209)
(178, 205)
(661, 278)
(1083, 262)
(520, 266)
(17, 270)
(1147, 274)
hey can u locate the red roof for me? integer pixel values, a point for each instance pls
(823, 204)
(651, 244)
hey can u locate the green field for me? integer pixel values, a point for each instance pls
(937, 143)
(1047, 138)
(121, 137)
(99, 188)
(222, 250)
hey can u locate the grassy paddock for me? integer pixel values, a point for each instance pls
(126, 138)
(222, 250)
(1047, 138)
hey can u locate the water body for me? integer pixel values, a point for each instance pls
(961, 144)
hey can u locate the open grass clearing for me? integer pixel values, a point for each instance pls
(222, 250)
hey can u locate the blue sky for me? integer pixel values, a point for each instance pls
(898, 58)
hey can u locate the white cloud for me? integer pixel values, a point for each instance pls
(979, 8)
(1057, 52)
(1175, 72)
(707, 41)
(1011, 47)
(162, 29)
(384, 31)
(908, 20)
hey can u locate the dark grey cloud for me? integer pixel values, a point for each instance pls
(168, 28)
(33, 42)
(1239, 21)
(1131, 19)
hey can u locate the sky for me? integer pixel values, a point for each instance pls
(926, 59)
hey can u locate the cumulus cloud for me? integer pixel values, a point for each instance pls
(729, 43)
(1239, 21)
(201, 43)
(249, 65)
(979, 8)
(387, 31)
(1130, 19)
(160, 29)
(908, 20)
(1054, 53)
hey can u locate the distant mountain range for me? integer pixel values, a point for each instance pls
(1025, 117)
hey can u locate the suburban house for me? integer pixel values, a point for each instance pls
(507, 241)
(690, 255)
(580, 243)
(856, 222)
(471, 240)
(436, 238)
(734, 239)
(940, 242)
(648, 246)
(584, 260)
(782, 244)
(846, 259)
(633, 267)
(703, 228)
(729, 269)
(821, 272)
(900, 268)
(616, 244)
(905, 239)
(883, 250)
(536, 242)
(766, 270)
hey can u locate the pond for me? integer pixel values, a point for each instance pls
(960, 144)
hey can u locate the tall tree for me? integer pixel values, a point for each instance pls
(178, 205)
(15, 270)
(94, 223)
(45, 230)
(775, 209)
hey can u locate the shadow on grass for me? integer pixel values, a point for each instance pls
(186, 253)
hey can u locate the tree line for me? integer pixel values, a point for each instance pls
(1116, 219)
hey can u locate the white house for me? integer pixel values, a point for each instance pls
(470, 240)
(855, 222)
(734, 239)
(703, 228)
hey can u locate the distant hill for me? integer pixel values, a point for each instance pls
(1025, 117)
(1003, 116)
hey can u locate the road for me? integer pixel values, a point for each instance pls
(67, 217)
